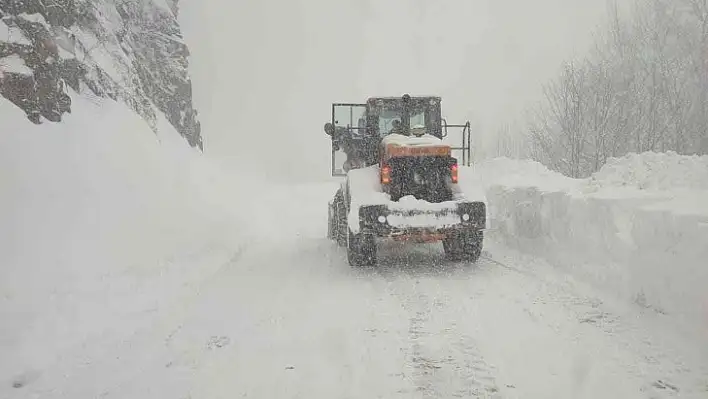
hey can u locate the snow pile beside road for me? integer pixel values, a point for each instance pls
(515, 173)
(654, 171)
(640, 242)
(103, 222)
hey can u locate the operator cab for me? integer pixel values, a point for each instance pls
(356, 130)
(404, 115)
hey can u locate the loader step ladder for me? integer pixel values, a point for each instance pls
(345, 115)
(466, 141)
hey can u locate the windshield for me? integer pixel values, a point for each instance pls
(386, 120)
(418, 119)
(389, 116)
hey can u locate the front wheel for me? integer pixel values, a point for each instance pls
(361, 249)
(337, 226)
(464, 246)
(340, 225)
(330, 222)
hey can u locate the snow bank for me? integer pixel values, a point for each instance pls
(515, 173)
(103, 221)
(653, 171)
(622, 229)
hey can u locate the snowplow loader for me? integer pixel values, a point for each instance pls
(401, 179)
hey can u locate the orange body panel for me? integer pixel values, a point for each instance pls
(421, 237)
(394, 151)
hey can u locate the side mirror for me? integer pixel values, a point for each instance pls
(329, 128)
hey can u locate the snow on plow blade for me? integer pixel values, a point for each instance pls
(422, 225)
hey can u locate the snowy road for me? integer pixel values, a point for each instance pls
(284, 316)
(417, 328)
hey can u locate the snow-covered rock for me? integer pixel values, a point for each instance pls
(14, 64)
(131, 51)
(11, 34)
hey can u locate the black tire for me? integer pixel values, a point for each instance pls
(341, 226)
(361, 249)
(466, 246)
(330, 222)
(338, 223)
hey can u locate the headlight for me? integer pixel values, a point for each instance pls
(382, 219)
(465, 217)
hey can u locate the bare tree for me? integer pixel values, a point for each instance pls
(644, 87)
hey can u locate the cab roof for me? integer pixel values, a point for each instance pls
(400, 97)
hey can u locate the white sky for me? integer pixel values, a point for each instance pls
(266, 71)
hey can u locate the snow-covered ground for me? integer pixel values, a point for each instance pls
(637, 229)
(102, 222)
(134, 268)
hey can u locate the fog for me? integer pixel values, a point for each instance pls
(265, 72)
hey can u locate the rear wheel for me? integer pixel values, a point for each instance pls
(330, 221)
(464, 246)
(337, 227)
(361, 249)
(340, 226)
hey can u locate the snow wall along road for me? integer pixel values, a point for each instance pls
(638, 228)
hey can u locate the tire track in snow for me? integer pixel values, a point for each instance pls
(591, 337)
(443, 361)
(650, 356)
(115, 362)
(300, 318)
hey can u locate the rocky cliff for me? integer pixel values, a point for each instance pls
(127, 50)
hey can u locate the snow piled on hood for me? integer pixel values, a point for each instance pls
(403, 140)
(365, 187)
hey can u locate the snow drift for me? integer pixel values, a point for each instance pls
(102, 220)
(105, 224)
(637, 228)
(654, 171)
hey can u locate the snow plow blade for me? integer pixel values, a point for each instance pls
(422, 225)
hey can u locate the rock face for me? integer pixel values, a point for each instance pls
(127, 50)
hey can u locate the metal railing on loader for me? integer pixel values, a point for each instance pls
(349, 127)
(466, 140)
